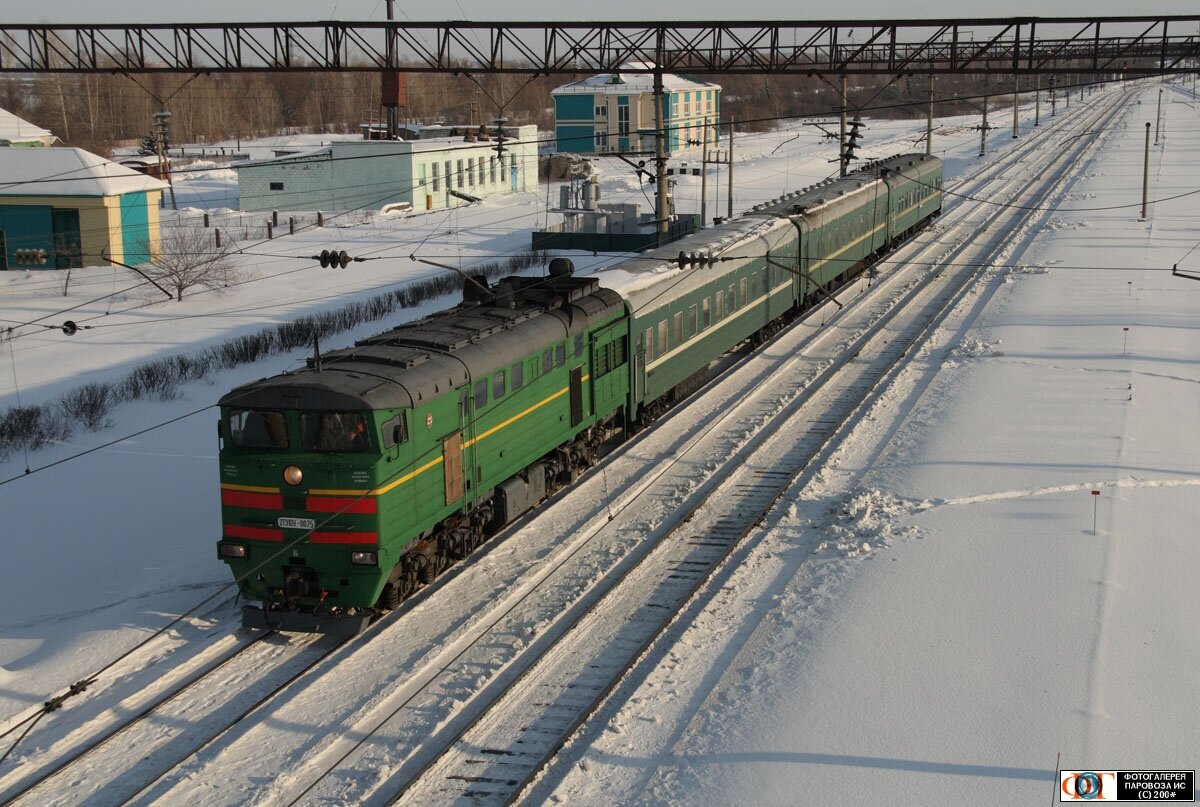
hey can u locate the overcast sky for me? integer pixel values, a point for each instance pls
(89, 11)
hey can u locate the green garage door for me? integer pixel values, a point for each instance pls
(135, 227)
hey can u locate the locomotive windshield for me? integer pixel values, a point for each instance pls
(249, 428)
(334, 431)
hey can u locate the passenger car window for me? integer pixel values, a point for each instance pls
(252, 429)
(498, 385)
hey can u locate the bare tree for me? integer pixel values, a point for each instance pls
(188, 257)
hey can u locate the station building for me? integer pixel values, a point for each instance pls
(614, 113)
(431, 174)
(66, 207)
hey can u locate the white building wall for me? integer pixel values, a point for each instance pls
(369, 174)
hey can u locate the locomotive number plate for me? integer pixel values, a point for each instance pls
(297, 523)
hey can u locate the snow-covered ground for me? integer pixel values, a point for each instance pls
(981, 631)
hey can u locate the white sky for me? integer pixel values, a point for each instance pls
(64, 11)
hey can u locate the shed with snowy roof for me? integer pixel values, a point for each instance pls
(16, 131)
(66, 207)
(614, 113)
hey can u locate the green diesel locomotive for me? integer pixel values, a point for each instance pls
(348, 484)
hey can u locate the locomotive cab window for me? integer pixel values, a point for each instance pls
(497, 385)
(253, 429)
(518, 376)
(481, 393)
(395, 432)
(560, 355)
(578, 345)
(547, 360)
(334, 431)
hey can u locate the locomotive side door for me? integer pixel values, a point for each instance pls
(576, 393)
(453, 467)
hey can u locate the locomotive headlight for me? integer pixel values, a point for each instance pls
(233, 551)
(364, 558)
(293, 475)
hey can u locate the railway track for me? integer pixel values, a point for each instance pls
(530, 673)
(94, 765)
(430, 697)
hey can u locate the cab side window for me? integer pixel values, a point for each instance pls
(395, 431)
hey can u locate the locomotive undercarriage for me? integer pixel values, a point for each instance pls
(461, 534)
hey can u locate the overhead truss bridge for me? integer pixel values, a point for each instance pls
(1019, 45)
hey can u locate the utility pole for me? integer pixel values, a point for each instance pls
(1158, 116)
(1037, 101)
(842, 142)
(660, 155)
(704, 175)
(1146, 174)
(983, 128)
(729, 213)
(929, 119)
(162, 119)
(1016, 104)
(391, 80)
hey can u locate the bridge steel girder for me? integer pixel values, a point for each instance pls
(1133, 46)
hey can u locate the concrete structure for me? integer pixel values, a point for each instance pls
(16, 131)
(364, 174)
(63, 207)
(615, 113)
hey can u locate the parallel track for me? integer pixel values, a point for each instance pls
(554, 681)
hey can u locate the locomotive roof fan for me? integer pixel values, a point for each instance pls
(561, 267)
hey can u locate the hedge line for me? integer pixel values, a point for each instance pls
(90, 406)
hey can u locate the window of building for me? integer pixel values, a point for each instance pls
(479, 166)
(471, 171)
(437, 183)
(623, 121)
(601, 141)
(492, 169)
(276, 186)
(458, 183)
(449, 177)
(498, 385)
(602, 112)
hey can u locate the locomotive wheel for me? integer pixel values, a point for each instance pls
(391, 596)
(427, 573)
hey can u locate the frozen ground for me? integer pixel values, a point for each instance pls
(983, 630)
